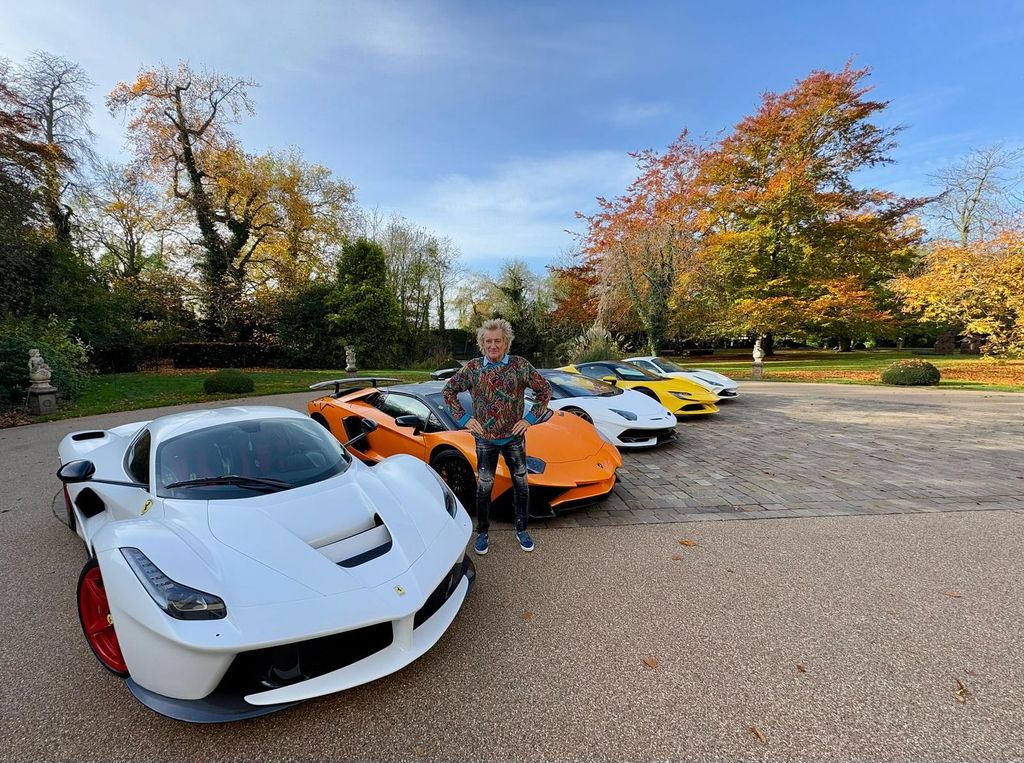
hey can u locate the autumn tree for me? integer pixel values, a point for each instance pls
(644, 240)
(783, 216)
(977, 289)
(179, 128)
(574, 297)
(53, 91)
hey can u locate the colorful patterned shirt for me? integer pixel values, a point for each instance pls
(497, 391)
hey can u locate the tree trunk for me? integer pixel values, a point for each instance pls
(845, 344)
(768, 344)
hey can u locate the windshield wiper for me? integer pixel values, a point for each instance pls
(234, 479)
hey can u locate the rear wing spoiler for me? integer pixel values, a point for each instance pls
(354, 382)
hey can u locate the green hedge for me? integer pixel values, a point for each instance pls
(912, 372)
(228, 380)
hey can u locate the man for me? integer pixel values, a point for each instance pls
(496, 382)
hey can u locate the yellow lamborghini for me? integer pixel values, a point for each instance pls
(681, 396)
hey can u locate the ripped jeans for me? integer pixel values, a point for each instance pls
(514, 452)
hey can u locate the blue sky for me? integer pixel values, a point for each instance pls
(493, 122)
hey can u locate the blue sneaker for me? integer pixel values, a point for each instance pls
(525, 541)
(481, 544)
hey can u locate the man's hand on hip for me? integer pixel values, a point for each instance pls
(520, 427)
(474, 426)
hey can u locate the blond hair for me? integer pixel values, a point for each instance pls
(495, 324)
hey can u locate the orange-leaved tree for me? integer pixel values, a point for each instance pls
(782, 212)
(977, 289)
(642, 241)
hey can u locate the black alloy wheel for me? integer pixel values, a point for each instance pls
(458, 475)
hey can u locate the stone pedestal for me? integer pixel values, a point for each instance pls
(757, 371)
(42, 399)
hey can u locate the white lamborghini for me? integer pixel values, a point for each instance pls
(624, 417)
(718, 383)
(240, 560)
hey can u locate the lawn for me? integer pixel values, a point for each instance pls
(127, 392)
(864, 367)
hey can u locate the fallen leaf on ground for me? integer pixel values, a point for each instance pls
(650, 662)
(419, 751)
(970, 672)
(757, 732)
(961, 692)
(676, 558)
(527, 615)
(800, 668)
(687, 542)
(952, 594)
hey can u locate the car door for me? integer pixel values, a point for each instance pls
(390, 438)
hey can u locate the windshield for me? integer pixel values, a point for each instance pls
(266, 454)
(667, 365)
(565, 384)
(632, 373)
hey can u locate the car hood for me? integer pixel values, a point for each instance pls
(291, 532)
(563, 438)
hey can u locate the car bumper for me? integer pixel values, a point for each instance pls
(694, 408)
(212, 671)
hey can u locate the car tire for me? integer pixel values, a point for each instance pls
(457, 474)
(97, 624)
(581, 413)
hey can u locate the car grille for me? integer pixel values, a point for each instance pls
(439, 595)
(694, 407)
(642, 435)
(727, 393)
(277, 666)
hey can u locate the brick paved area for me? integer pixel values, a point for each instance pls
(799, 450)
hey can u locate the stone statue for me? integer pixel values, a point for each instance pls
(758, 369)
(350, 359)
(38, 370)
(42, 396)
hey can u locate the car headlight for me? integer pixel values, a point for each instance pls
(179, 601)
(535, 465)
(624, 414)
(451, 504)
(681, 395)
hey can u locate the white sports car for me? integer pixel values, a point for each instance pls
(624, 417)
(718, 383)
(241, 560)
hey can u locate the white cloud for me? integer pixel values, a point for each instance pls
(520, 208)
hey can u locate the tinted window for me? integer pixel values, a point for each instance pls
(668, 366)
(596, 371)
(574, 385)
(296, 451)
(404, 405)
(632, 373)
(138, 458)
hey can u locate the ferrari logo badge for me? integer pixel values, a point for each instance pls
(147, 507)
(399, 590)
(600, 465)
(110, 619)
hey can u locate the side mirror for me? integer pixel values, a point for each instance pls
(609, 379)
(410, 420)
(76, 471)
(367, 426)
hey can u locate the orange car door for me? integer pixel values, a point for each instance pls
(390, 438)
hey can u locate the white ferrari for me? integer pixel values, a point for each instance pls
(623, 417)
(241, 560)
(718, 383)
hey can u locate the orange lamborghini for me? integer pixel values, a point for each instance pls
(569, 463)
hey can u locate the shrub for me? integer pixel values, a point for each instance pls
(228, 380)
(911, 372)
(596, 343)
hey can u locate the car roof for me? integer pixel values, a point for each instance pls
(190, 421)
